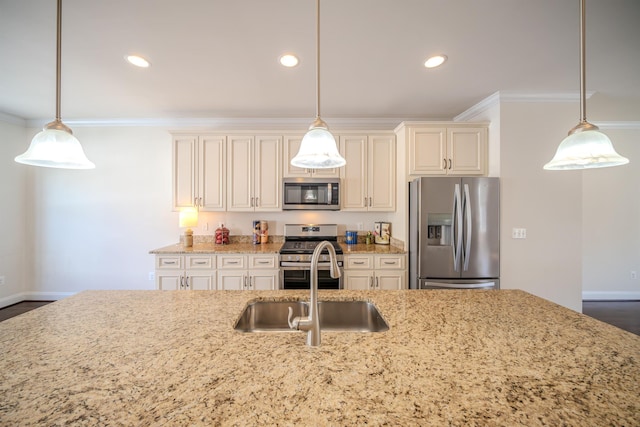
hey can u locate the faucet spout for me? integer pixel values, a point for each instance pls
(311, 323)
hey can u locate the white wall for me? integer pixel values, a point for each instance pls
(548, 263)
(611, 224)
(13, 214)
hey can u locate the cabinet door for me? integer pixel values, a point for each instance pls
(200, 281)
(353, 193)
(212, 173)
(291, 147)
(229, 280)
(169, 280)
(264, 280)
(381, 173)
(466, 151)
(358, 280)
(267, 181)
(427, 151)
(185, 152)
(240, 172)
(389, 280)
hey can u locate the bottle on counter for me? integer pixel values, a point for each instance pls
(255, 234)
(264, 232)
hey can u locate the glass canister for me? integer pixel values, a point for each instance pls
(222, 235)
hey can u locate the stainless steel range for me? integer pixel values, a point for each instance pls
(295, 256)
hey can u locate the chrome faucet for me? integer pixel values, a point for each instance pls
(311, 323)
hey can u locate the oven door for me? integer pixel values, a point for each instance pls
(292, 277)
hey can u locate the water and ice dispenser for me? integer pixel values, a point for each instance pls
(439, 229)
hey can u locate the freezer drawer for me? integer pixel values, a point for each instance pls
(459, 284)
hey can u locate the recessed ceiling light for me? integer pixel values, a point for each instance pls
(138, 61)
(289, 60)
(435, 61)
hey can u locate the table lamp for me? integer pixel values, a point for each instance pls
(188, 218)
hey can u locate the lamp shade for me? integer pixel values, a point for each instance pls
(585, 150)
(188, 218)
(54, 148)
(318, 150)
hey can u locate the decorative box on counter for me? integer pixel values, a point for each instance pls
(382, 233)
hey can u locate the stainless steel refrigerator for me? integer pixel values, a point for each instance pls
(454, 233)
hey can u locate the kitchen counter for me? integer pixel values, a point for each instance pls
(458, 358)
(211, 248)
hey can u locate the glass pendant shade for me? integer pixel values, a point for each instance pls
(318, 150)
(584, 150)
(54, 148)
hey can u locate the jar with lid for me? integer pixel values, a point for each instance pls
(222, 235)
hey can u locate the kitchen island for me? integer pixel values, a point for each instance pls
(501, 358)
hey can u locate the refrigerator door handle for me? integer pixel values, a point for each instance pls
(467, 229)
(456, 229)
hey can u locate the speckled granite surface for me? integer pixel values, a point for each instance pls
(211, 248)
(450, 358)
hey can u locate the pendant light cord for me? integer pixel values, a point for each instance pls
(583, 85)
(58, 59)
(317, 59)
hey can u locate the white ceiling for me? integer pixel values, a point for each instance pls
(219, 59)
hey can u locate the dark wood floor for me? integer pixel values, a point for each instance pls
(623, 314)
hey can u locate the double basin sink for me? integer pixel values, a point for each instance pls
(347, 316)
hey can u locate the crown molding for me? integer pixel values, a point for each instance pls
(230, 123)
(512, 96)
(14, 120)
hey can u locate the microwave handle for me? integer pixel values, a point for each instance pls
(330, 193)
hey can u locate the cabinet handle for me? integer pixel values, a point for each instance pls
(444, 163)
(232, 262)
(449, 163)
(200, 262)
(257, 202)
(186, 282)
(264, 262)
(390, 262)
(200, 201)
(370, 204)
(377, 284)
(195, 201)
(358, 262)
(370, 282)
(168, 262)
(181, 282)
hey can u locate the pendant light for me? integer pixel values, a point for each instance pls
(585, 147)
(318, 148)
(55, 146)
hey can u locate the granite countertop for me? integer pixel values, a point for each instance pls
(457, 358)
(269, 248)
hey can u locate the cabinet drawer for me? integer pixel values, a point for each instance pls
(263, 261)
(358, 262)
(168, 262)
(390, 262)
(200, 262)
(231, 262)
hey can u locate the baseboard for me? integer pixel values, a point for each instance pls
(610, 296)
(33, 296)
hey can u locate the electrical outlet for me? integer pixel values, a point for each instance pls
(634, 275)
(360, 226)
(519, 233)
(152, 276)
(1, 280)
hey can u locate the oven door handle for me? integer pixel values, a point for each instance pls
(305, 265)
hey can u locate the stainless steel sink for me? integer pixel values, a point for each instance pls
(348, 316)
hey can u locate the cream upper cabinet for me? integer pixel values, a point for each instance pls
(254, 165)
(199, 172)
(291, 147)
(369, 177)
(446, 149)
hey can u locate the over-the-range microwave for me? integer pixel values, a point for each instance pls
(311, 194)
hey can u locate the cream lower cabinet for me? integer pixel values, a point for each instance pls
(248, 272)
(369, 177)
(199, 171)
(183, 272)
(375, 272)
(254, 165)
